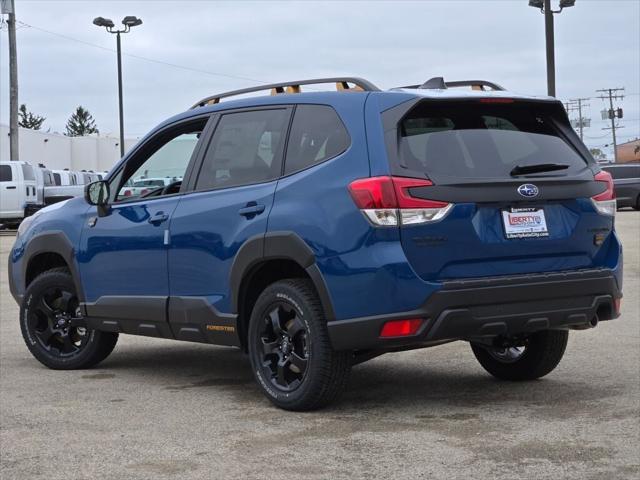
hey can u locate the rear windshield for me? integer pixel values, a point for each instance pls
(473, 140)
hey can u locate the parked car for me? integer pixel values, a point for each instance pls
(143, 186)
(318, 230)
(17, 191)
(626, 182)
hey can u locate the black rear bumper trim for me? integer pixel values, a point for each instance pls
(477, 309)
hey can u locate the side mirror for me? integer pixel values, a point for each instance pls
(97, 193)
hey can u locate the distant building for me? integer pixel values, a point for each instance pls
(629, 151)
(93, 152)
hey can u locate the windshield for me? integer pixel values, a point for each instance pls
(475, 140)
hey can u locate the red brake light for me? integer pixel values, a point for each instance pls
(405, 200)
(390, 192)
(609, 193)
(401, 328)
(127, 193)
(375, 192)
(387, 201)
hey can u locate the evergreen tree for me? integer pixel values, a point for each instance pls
(27, 119)
(81, 123)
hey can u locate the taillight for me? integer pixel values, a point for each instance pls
(127, 193)
(605, 202)
(387, 201)
(401, 328)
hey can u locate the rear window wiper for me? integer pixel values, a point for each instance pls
(541, 167)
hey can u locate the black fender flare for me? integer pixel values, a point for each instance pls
(56, 242)
(272, 246)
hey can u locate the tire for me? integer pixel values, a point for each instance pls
(291, 355)
(542, 353)
(49, 302)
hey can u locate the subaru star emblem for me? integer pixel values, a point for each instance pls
(528, 190)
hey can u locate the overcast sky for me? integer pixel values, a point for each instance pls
(234, 44)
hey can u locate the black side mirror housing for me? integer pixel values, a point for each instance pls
(97, 193)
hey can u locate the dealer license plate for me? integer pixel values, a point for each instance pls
(524, 223)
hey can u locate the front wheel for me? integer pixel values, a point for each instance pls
(537, 356)
(48, 316)
(290, 351)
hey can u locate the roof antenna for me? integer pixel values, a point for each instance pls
(435, 83)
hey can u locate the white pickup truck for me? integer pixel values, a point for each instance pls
(17, 191)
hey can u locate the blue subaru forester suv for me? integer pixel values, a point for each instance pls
(318, 230)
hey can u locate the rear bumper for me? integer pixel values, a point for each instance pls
(480, 309)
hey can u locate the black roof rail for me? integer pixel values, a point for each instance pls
(342, 83)
(439, 83)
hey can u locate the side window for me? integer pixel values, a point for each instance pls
(5, 173)
(56, 179)
(246, 148)
(317, 135)
(27, 172)
(164, 156)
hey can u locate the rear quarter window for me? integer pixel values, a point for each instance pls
(317, 135)
(5, 173)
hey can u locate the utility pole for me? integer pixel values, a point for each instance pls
(612, 114)
(582, 122)
(8, 7)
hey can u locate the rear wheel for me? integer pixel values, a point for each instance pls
(290, 351)
(50, 320)
(538, 355)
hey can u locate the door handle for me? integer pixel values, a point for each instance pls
(11, 188)
(158, 218)
(251, 209)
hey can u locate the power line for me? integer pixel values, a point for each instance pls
(611, 94)
(581, 122)
(139, 57)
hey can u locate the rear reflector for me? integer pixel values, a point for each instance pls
(387, 201)
(617, 303)
(401, 328)
(605, 202)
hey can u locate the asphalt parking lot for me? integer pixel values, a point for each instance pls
(162, 409)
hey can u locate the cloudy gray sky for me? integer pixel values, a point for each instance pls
(186, 50)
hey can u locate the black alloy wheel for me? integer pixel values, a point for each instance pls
(284, 347)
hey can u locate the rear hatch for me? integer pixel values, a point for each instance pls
(517, 183)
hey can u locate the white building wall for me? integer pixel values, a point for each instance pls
(93, 152)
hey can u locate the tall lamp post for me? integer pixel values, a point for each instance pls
(545, 8)
(128, 23)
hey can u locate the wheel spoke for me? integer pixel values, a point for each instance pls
(269, 347)
(45, 335)
(44, 307)
(69, 346)
(294, 326)
(274, 316)
(65, 302)
(282, 366)
(298, 364)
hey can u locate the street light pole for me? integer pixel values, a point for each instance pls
(120, 102)
(551, 58)
(545, 8)
(128, 23)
